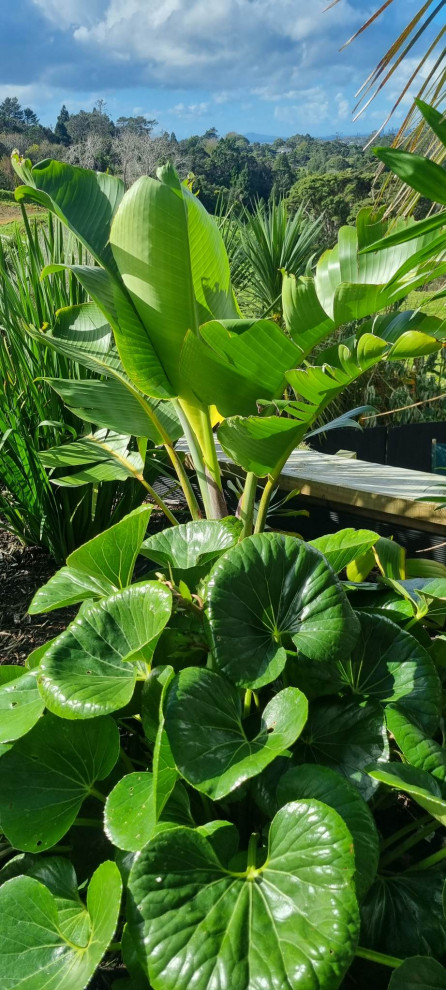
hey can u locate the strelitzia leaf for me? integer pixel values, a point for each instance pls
(84, 200)
(421, 174)
(232, 370)
(112, 404)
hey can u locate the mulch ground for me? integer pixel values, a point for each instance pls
(22, 571)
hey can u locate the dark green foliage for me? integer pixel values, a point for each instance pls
(261, 835)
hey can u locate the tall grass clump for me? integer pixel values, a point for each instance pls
(33, 417)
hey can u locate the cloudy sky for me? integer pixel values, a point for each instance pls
(269, 66)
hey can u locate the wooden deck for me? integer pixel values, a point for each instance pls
(373, 491)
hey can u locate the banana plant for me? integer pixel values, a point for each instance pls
(165, 330)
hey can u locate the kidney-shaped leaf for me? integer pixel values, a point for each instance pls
(309, 781)
(343, 734)
(341, 548)
(130, 817)
(192, 544)
(415, 900)
(212, 747)
(419, 973)
(98, 568)
(291, 924)
(20, 702)
(46, 776)
(36, 953)
(271, 593)
(86, 672)
(390, 666)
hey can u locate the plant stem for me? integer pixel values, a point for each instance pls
(158, 501)
(402, 832)
(264, 505)
(247, 703)
(196, 455)
(424, 864)
(247, 504)
(88, 822)
(97, 794)
(252, 851)
(180, 470)
(378, 957)
(126, 761)
(114, 947)
(413, 840)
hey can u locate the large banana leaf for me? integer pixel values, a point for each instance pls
(174, 265)
(263, 444)
(102, 456)
(351, 282)
(233, 368)
(133, 342)
(84, 200)
(111, 404)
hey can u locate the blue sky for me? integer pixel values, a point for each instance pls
(269, 66)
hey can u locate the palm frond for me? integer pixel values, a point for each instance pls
(432, 88)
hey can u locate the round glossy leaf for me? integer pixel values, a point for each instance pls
(402, 915)
(130, 818)
(389, 666)
(46, 776)
(20, 702)
(290, 924)
(98, 568)
(272, 592)
(341, 548)
(192, 547)
(309, 781)
(212, 747)
(88, 670)
(342, 735)
(36, 953)
(419, 973)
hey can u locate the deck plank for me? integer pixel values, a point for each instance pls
(377, 490)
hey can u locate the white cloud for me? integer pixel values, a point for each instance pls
(343, 106)
(214, 44)
(313, 108)
(187, 111)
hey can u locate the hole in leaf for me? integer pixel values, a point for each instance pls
(39, 842)
(13, 704)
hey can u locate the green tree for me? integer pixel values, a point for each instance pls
(11, 114)
(60, 129)
(138, 125)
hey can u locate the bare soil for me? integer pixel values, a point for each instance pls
(22, 571)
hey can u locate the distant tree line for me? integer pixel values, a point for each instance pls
(333, 176)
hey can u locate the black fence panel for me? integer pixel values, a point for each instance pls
(411, 445)
(369, 445)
